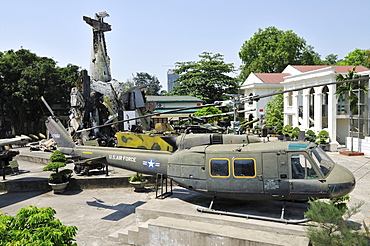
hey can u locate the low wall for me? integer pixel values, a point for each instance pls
(41, 184)
(360, 145)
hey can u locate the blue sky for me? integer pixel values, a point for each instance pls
(152, 35)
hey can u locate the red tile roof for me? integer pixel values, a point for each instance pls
(272, 77)
(345, 69)
(338, 69)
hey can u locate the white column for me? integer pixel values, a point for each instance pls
(318, 108)
(332, 118)
(286, 104)
(295, 109)
(306, 110)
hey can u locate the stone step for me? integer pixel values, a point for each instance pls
(139, 235)
(182, 207)
(184, 210)
(121, 236)
(174, 231)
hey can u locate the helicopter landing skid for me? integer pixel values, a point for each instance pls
(249, 216)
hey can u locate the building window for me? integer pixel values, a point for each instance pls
(360, 128)
(219, 167)
(290, 99)
(244, 167)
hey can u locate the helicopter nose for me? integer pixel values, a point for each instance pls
(340, 182)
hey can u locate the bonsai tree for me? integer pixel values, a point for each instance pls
(34, 226)
(287, 131)
(323, 136)
(310, 136)
(295, 132)
(58, 160)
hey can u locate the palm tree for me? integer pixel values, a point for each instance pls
(350, 89)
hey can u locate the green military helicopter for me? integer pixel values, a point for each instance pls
(227, 166)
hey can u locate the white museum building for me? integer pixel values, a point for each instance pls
(315, 108)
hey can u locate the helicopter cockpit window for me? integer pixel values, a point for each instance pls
(244, 168)
(302, 168)
(219, 167)
(322, 160)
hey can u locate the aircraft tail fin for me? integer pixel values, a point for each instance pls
(59, 133)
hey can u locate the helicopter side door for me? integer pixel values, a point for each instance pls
(236, 175)
(305, 179)
(275, 174)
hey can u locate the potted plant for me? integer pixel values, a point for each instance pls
(58, 180)
(287, 131)
(310, 136)
(138, 181)
(295, 133)
(323, 137)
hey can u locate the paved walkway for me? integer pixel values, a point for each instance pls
(360, 167)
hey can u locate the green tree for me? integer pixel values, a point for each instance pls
(270, 50)
(128, 84)
(209, 111)
(330, 59)
(367, 61)
(206, 79)
(24, 78)
(67, 79)
(331, 225)
(274, 113)
(33, 226)
(357, 57)
(309, 56)
(350, 90)
(153, 86)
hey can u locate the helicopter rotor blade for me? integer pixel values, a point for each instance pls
(148, 115)
(219, 103)
(223, 114)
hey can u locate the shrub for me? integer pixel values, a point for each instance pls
(137, 177)
(330, 223)
(33, 226)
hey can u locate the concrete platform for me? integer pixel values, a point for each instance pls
(116, 216)
(175, 221)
